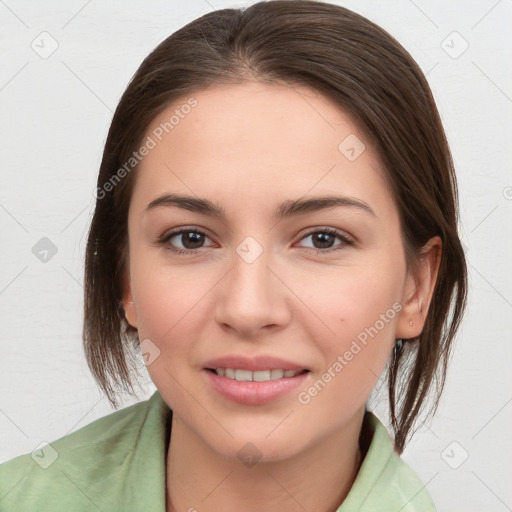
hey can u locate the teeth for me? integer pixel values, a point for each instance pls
(243, 375)
(261, 375)
(276, 374)
(257, 376)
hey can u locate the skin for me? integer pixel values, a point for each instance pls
(249, 147)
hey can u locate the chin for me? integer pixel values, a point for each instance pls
(257, 447)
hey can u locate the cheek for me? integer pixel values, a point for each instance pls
(169, 302)
(349, 300)
(172, 307)
(361, 307)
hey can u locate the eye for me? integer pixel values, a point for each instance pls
(323, 240)
(191, 241)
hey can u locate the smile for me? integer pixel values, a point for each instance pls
(257, 387)
(256, 376)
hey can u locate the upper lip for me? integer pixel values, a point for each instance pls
(261, 362)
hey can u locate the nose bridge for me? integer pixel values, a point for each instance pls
(250, 291)
(251, 297)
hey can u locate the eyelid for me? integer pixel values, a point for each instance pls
(328, 229)
(345, 238)
(183, 229)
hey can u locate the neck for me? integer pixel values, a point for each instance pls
(319, 478)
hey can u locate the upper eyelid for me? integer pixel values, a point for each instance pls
(185, 229)
(305, 233)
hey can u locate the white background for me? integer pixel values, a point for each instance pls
(54, 117)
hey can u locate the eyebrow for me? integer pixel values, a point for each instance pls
(288, 208)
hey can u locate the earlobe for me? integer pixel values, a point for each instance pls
(419, 289)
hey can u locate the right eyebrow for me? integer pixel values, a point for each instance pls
(191, 203)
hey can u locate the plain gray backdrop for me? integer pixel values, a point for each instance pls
(64, 67)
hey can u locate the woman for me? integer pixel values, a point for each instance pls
(275, 227)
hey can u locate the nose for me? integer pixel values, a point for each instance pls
(252, 299)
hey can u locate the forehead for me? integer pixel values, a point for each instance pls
(270, 142)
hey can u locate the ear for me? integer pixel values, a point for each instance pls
(130, 312)
(418, 290)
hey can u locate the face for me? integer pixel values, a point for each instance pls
(319, 291)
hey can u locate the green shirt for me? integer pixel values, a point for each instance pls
(117, 463)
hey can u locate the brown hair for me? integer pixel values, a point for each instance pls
(365, 71)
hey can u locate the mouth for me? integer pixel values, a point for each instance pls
(254, 387)
(242, 375)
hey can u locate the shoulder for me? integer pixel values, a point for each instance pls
(74, 469)
(385, 482)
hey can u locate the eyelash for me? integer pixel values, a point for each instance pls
(346, 241)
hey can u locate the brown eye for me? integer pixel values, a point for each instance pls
(184, 241)
(324, 240)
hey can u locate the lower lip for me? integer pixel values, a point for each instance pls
(253, 393)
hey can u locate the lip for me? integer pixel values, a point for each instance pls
(256, 363)
(251, 392)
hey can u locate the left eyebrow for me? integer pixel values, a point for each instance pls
(288, 208)
(302, 206)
